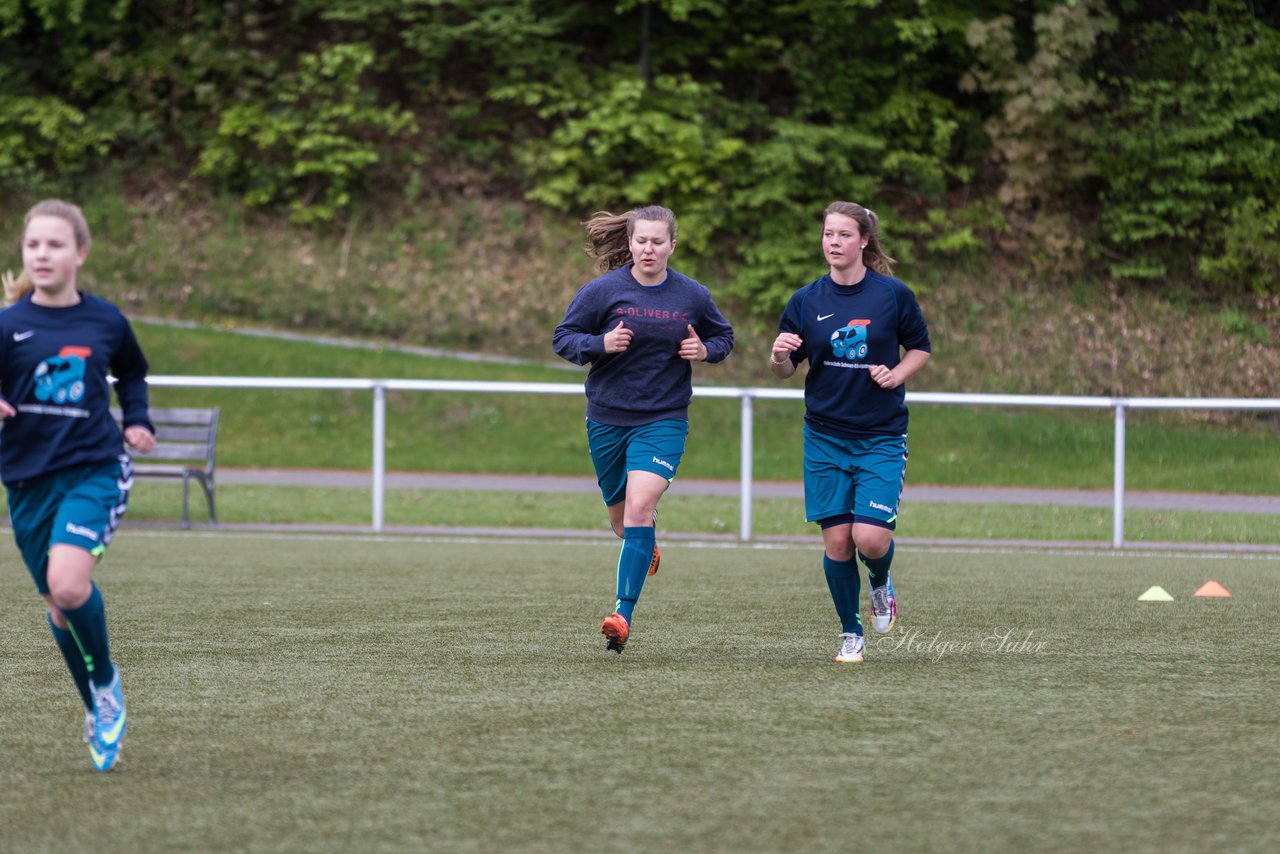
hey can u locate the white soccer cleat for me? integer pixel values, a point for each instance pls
(884, 609)
(851, 648)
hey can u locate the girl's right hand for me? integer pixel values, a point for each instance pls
(783, 346)
(617, 339)
(6, 410)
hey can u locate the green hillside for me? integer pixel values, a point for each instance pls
(543, 434)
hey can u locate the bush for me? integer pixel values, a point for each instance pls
(44, 137)
(310, 145)
(1191, 155)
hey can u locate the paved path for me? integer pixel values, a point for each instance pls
(761, 489)
(533, 483)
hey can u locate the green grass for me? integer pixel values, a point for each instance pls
(160, 501)
(686, 514)
(325, 694)
(544, 434)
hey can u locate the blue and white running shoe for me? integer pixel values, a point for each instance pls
(109, 721)
(108, 712)
(104, 758)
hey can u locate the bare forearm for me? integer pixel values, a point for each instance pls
(912, 361)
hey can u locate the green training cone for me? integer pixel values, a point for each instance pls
(1156, 594)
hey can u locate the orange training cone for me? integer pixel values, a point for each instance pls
(1213, 588)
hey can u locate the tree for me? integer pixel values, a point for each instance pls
(1190, 153)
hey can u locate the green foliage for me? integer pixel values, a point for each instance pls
(790, 179)
(907, 95)
(787, 124)
(1041, 134)
(943, 239)
(450, 60)
(1058, 133)
(928, 124)
(42, 137)
(1191, 154)
(620, 143)
(1237, 322)
(51, 127)
(451, 46)
(55, 15)
(677, 10)
(1251, 248)
(312, 143)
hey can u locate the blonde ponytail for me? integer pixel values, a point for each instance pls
(15, 289)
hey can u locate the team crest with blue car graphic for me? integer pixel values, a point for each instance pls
(850, 340)
(60, 378)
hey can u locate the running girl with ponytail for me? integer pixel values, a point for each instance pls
(640, 326)
(62, 457)
(864, 336)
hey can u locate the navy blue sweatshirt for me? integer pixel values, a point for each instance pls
(648, 381)
(845, 330)
(53, 370)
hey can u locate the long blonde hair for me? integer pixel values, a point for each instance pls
(609, 235)
(873, 255)
(16, 288)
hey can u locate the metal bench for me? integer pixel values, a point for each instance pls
(185, 439)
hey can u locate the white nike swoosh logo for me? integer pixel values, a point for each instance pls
(825, 316)
(23, 336)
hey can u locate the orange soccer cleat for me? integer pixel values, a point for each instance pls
(616, 631)
(657, 559)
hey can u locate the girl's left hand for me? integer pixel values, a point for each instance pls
(692, 349)
(884, 377)
(139, 438)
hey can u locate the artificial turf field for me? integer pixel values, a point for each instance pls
(295, 693)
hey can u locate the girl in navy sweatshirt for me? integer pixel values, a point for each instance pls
(62, 456)
(640, 326)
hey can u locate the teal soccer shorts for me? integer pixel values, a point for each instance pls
(655, 447)
(853, 480)
(79, 506)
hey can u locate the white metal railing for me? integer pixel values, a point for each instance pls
(380, 387)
